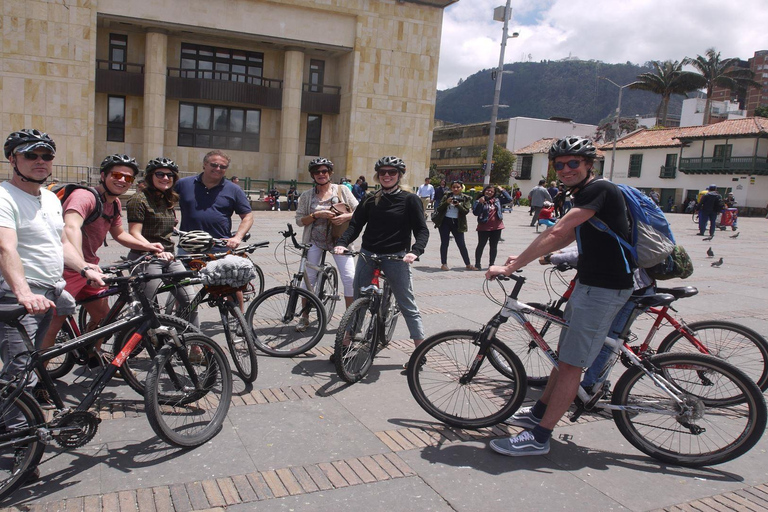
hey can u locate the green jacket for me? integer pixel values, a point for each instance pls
(465, 206)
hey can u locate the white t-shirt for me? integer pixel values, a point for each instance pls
(38, 223)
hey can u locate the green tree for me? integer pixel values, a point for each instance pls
(668, 78)
(721, 73)
(762, 111)
(503, 161)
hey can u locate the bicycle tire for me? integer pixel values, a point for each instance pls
(390, 320)
(256, 285)
(537, 364)
(179, 412)
(15, 468)
(329, 293)
(136, 367)
(276, 330)
(356, 339)
(738, 345)
(239, 339)
(712, 433)
(491, 396)
(60, 366)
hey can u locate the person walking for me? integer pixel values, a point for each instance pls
(451, 219)
(426, 193)
(539, 195)
(489, 208)
(710, 205)
(440, 191)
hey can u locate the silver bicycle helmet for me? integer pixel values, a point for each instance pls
(317, 162)
(391, 161)
(572, 146)
(29, 139)
(196, 241)
(161, 163)
(118, 159)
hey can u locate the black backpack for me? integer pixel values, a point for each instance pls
(64, 191)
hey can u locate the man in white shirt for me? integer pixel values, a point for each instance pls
(426, 193)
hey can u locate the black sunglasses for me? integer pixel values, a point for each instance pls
(389, 172)
(320, 171)
(164, 174)
(573, 164)
(31, 155)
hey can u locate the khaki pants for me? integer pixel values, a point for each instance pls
(424, 203)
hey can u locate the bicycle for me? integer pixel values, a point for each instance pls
(368, 324)
(186, 402)
(686, 409)
(739, 345)
(289, 320)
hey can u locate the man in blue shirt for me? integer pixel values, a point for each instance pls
(208, 200)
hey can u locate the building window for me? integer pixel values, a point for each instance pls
(116, 118)
(314, 129)
(526, 164)
(210, 126)
(198, 61)
(722, 153)
(316, 75)
(635, 163)
(118, 51)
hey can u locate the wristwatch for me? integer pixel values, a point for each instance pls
(313, 216)
(86, 269)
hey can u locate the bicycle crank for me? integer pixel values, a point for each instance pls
(75, 429)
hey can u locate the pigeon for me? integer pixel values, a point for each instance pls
(710, 253)
(736, 235)
(717, 263)
(709, 237)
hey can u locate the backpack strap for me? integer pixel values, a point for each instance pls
(602, 226)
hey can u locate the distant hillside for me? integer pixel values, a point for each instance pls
(550, 89)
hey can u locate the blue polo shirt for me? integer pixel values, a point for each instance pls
(210, 209)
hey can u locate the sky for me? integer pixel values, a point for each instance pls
(611, 31)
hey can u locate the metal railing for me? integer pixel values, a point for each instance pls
(668, 171)
(227, 76)
(743, 164)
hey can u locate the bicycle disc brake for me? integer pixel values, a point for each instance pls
(75, 429)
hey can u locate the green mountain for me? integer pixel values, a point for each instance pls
(570, 89)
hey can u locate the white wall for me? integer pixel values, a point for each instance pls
(527, 130)
(693, 111)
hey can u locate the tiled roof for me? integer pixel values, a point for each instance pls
(543, 145)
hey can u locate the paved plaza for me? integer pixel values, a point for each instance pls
(298, 438)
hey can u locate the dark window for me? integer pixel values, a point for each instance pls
(670, 166)
(526, 164)
(722, 153)
(116, 118)
(314, 129)
(198, 61)
(219, 127)
(635, 163)
(316, 74)
(118, 51)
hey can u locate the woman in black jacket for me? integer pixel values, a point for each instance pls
(488, 209)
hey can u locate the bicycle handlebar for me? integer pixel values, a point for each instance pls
(171, 276)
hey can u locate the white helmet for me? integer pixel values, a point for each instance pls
(196, 241)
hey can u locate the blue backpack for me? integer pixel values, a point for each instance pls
(651, 240)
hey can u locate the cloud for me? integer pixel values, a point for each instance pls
(607, 30)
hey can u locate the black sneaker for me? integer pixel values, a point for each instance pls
(422, 362)
(43, 398)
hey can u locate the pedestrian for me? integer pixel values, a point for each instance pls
(516, 194)
(275, 201)
(292, 198)
(559, 201)
(710, 205)
(553, 190)
(670, 204)
(547, 215)
(538, 195)
(655, 197)
(440, 191)
(235, 180)
(426, 193)
(489, 208)
(357, 189)
(451, 219)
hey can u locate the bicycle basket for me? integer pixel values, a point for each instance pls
(231, 271)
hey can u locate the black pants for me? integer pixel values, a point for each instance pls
(451, 227)
(482, 238)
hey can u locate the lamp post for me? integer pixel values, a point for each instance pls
(616, 123)
(501, 13)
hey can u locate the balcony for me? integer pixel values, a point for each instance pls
(122, 78)
(320, 99)
(190, 84)
(668, 172)
(750, 165)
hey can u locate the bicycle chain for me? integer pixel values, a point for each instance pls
(85, 421)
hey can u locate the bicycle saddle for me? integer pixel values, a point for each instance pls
(11, 312)
(679, 293)
(652, 301)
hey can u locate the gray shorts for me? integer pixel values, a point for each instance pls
(590, 312)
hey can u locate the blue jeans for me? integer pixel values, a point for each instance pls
(398, 275)
(703, 218)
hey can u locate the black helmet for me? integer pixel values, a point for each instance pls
(161, 163)
(31, 139)
(391, 161)
(572, 146)
(117, 159)
(317, 162)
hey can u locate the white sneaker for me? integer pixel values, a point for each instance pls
(302, 325)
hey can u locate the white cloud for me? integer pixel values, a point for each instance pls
(607, 30)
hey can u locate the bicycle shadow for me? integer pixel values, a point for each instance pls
(322, 368)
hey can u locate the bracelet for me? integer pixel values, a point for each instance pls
(313, 216)
(85, 269)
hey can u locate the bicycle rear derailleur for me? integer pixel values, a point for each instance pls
(75, 429)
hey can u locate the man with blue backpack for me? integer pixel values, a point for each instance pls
(604, 284)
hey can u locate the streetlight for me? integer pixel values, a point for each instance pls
(616, 122)
(501, 13)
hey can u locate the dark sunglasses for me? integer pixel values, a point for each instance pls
(388, 172)
(168, 175)
(32, 156)
(320, 171)
(573, 164)
(116, 175)
(223, 167)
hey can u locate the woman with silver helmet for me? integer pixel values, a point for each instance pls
(320, 209)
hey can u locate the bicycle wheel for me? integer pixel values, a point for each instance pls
(240, 339)
(256, 285)
(706, 429)
(329, 293)
(188, 391)
(21, 450)
(356, 340)
(489, 398)
(136, 367)
(740, 346)
(537, 364)
(390, 319)
(286, 321)
(60, 366)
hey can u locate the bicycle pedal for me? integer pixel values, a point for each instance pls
(44, 435)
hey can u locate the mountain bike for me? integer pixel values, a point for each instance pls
(739, 345)
(681, 408)
(367, 325)
(186, 401)
(289, 320)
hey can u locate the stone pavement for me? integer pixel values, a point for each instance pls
(299, 439)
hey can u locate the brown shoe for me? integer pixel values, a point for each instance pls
(444, 267)
(471, 267)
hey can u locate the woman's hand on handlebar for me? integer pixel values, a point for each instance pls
(410, 258)
(340, 249)
(166, 256)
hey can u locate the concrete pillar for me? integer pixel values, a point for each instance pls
(290, 115)
(155, 72)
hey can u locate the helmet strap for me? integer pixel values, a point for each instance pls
(31, 180)
(107, 191)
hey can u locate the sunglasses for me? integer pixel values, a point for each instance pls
(168, 175)
(388, 172)
(32, 156)
(117, 176)
(223, 167)
(457, 182)
(573, 164)
(320, 171)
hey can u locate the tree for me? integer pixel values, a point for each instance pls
(762, 111)
(721, 73)
(668, 78)
(503, 160)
